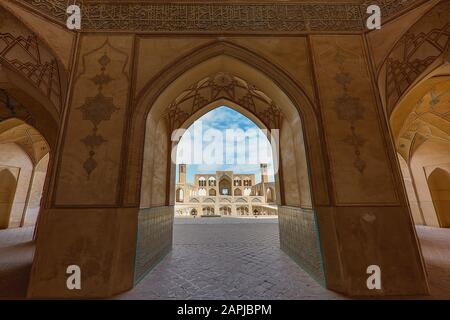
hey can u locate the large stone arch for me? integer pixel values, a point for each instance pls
(160, 91)
(285, 108)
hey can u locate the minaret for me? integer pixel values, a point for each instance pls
(264, 178)
(182, 174)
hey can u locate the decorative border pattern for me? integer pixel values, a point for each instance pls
(141, 16)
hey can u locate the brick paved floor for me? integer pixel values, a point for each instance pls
(16, 256)
(435, 244)
(229, 259)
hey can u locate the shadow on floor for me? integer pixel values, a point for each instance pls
(15, 268)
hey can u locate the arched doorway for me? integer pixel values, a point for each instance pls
(284, 127)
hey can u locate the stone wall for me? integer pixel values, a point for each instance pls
(154, 240)
(299, 238)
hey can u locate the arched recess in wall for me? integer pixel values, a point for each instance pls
(8, 185)
(225, 186)
(270, 195)
(439, 185)
(180, 195)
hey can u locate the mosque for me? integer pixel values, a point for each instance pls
(225, 193)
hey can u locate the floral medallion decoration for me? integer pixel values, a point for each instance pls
(96, 110)
(349, 108)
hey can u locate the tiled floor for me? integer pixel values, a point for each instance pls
(226, 258)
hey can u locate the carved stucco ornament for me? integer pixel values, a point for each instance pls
(223, 85)
(223, 17)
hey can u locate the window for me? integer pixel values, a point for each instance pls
(212, 181)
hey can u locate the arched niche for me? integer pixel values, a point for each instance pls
(439, 185)
(14, 159)
(180, 195)
(225, 186)
(8, 185)
(270, 195)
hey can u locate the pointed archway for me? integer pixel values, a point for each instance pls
(317, 245)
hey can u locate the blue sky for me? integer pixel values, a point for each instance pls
(215, 124)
